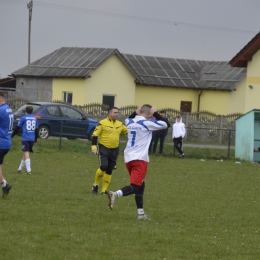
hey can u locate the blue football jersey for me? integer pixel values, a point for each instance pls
(29, 125)
(6, 126)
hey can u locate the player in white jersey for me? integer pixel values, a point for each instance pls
(140, 129)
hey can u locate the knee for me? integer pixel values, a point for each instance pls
(136, 188)
(103, 168)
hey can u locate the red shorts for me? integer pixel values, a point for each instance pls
(137, 170)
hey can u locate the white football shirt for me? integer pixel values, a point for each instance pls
(139, 137)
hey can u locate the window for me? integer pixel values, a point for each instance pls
(70, 112)
(108, 100)
(186, 106)
(53, 110)
(67, 97)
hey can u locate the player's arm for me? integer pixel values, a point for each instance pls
(158, 117)
(124, 129)
(137, 112)
(16, 130)
(95, 135)
(36, 135)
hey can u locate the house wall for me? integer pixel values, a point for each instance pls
(214, 101)
(76, 86)
(236, 99)
(253, 79)
(172, 97)
(163, 97)
(34, 89)
(111, 78)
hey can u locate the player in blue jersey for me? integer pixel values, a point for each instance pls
(6, 125)
(29, 125)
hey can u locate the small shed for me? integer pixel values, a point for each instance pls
(248, 136)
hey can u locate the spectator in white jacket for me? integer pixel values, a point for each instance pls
(178, 133)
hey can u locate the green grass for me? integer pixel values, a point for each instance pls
(198, 210)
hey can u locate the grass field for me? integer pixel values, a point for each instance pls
(198, 210)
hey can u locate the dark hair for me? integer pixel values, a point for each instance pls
(29, 109)
(163, 111)
(111, 108)
(2, 94)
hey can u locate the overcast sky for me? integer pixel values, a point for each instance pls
(187, 29)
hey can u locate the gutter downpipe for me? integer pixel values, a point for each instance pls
(199, 102)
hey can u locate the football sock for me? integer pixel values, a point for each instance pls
(28, 165)
(119, 193)
(98, 176)
(22, 164)
(3, 183)
(140, 211)
(139, 201)
(106, 182)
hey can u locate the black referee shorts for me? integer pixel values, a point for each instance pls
(108, 158)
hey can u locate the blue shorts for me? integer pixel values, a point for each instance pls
(27, 146)
(3, 152)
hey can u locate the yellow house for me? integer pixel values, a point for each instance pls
(246, 96)
(98, 75)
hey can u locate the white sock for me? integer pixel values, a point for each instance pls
(140, 211)
(3, 183)
(119, 193)
(22, 164)
(28, 165)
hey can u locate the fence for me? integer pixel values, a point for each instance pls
(202, 126)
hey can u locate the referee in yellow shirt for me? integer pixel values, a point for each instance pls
(108, 131)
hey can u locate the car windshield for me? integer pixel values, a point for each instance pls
(35, 107)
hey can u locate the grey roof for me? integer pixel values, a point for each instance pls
(151, 71)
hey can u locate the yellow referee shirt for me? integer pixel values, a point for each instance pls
(109, 132)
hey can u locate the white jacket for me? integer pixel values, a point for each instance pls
(178, 129)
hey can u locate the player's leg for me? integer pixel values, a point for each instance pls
(27, 148)
(113, 154)
(5, 186)
(137, 170)
(103, 160)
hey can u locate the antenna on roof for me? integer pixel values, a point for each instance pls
(29, 6)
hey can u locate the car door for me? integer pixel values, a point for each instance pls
(51, 118)
(74, 123)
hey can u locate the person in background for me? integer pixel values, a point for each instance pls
(29, 125)
(161, 134)
(107, 147)
(136, 156)
(6, 126)
(178, 133)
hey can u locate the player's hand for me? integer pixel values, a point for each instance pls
(95, 151)
(153, 109)
(137, 111)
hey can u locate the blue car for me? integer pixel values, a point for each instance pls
(57, 119)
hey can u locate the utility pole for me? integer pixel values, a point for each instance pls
(30, 6)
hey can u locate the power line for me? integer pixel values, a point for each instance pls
(130, 17)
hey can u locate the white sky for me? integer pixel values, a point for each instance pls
(188, 29)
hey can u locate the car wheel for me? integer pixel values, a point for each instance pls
(43, 132)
